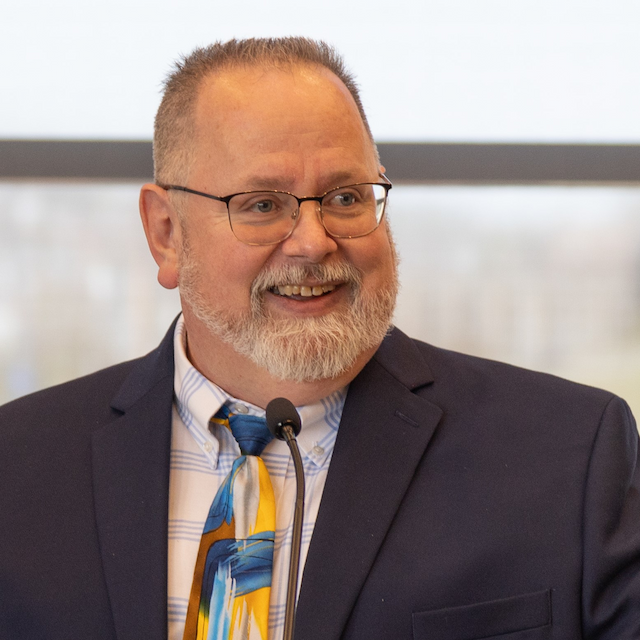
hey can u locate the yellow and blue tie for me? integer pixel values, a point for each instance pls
(232, 578)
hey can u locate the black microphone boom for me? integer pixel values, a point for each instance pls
(284, 422)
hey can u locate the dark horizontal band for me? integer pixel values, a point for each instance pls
(405, 162)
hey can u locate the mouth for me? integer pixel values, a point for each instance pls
(302, 290)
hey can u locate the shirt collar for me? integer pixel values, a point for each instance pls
(198, 399)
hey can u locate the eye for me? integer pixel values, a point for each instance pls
(264, 206)
(342, 198)
(345, 199)
(259, 203)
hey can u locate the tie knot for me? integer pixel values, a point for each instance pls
(250, 432)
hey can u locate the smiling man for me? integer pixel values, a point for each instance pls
(280, 297)
(448, 497)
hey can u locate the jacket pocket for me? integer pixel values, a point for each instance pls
(486, 620)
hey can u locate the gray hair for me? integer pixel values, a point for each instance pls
(174, 123)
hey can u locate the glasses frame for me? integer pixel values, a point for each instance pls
(296, 214)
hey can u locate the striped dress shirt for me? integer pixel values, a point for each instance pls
(201, 458)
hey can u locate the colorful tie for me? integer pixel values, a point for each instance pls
(232, 578)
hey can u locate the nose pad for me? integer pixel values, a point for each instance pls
(296, 215)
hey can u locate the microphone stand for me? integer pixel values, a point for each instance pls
(296, 538)
(284, 423)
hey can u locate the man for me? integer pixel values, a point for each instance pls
(460, 498)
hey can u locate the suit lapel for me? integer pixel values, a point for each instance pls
(130, 459)
(384, 431)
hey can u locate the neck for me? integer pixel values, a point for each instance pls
(243, 379)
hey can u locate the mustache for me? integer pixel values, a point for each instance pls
(338, 272)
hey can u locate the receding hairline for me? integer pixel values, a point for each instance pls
(306, 69)
(175, 120)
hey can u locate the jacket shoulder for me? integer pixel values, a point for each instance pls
(90, 394)
(94, 398)
(463, 375)
(466, 384)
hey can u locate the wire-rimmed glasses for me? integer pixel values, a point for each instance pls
(269, 217)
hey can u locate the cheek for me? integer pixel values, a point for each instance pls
(374, 256)
(231, 268)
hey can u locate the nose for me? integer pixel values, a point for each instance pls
(309, 239)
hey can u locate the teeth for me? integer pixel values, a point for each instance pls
(286, 290)
(303, 290)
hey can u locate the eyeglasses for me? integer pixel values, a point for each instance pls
(269, 217)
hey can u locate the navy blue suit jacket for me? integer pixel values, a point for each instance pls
(466, 499)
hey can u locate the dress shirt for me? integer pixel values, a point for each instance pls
(202, 456)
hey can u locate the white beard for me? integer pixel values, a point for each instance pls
(297, 349)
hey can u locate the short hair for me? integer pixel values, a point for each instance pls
(174, 123)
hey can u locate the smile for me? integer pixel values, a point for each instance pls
(302, 290)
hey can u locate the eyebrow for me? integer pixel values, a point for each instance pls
(260, 182)
(341, 178)
(273, 183)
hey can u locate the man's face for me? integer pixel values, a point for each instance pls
(295, 130)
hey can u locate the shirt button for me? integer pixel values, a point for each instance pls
(239, 408)
(207, 446)
(318, 450)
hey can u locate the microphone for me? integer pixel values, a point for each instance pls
(284, 423)
(281, 415)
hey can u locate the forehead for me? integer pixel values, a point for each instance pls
(260, 91)
(293, 119)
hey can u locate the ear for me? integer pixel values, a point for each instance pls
(382, 170)
(163, 231)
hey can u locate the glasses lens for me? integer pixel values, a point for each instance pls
(262, 217)
(350, 212)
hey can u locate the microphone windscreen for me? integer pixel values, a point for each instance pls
(281, 412)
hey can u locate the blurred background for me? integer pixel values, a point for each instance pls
(510, 130)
